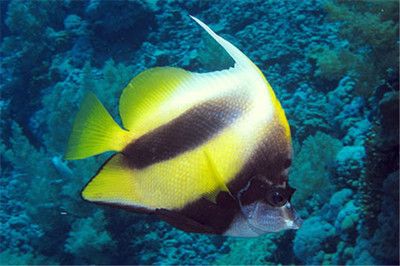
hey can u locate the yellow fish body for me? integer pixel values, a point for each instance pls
(207, 152)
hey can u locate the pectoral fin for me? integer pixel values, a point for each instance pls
(214, 174)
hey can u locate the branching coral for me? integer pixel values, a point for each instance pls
(18, 148)
(332, 64)
(373, 23)
(27, 52)
(371, 28)
(88, 240)
(309, 173)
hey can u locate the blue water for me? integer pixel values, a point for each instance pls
(333, 65)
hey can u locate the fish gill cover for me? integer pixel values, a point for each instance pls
(333, 65)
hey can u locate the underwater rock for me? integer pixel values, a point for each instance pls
(362, 255)
(348, 166)
(384, 243)
(389, 111)
(336, 203)
(313, 237)
(18, 233)
(345, 109)
(347, 220)
(304, 107)
(357, 133)
(131, 25)
(75, 25)
(382, 155)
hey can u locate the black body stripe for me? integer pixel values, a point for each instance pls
(268, 162)
(186, 132)
(204, 216)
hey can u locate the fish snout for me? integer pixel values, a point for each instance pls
(291, 217)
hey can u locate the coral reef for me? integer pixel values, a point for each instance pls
(333, 65)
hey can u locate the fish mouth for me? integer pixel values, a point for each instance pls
(292, 219)
(298, 222)
(263, 218)
(294, 224)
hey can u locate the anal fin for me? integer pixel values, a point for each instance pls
(113, 184)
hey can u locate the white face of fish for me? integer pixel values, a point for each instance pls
(259, 218)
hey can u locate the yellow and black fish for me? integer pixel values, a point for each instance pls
(206, 152)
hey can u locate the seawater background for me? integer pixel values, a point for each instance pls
(333, 65)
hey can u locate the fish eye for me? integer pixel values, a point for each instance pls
(276, 198)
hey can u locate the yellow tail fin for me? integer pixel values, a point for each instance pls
(94, 131)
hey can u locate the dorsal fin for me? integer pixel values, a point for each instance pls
(240, 58)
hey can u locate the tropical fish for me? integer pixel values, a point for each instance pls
(206, 152)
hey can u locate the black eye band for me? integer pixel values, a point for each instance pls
(258, 188)
(254, 190)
